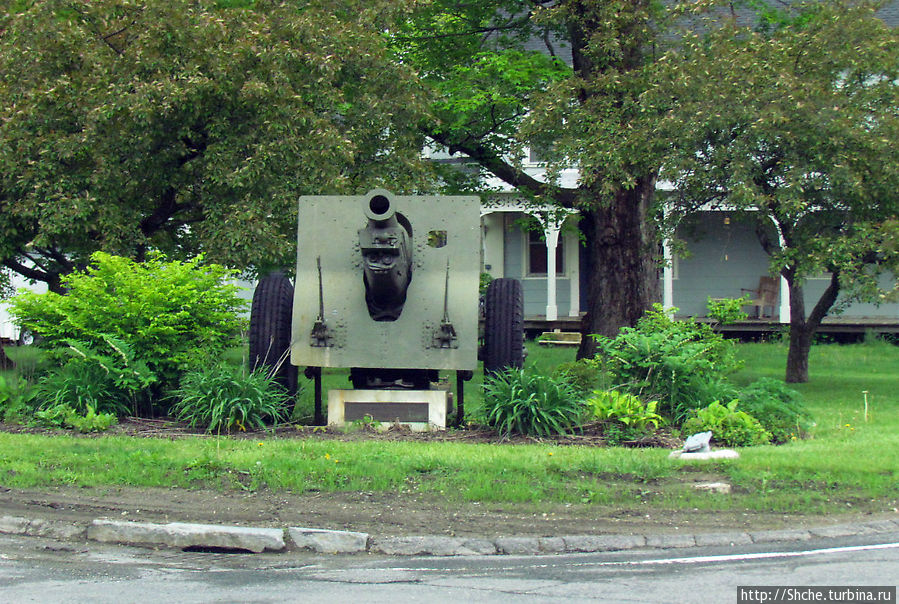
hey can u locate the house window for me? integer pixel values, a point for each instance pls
(536, 255)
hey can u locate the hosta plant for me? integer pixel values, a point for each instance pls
(728, 425)
(624, 408)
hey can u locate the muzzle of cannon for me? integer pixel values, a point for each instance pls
(386, 246)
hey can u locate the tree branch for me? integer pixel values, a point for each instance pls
(27, 272)
(826, 301)
(514, 177)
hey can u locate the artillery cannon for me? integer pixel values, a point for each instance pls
(387, 286)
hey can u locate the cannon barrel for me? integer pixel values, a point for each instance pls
(386, 246)
(380, 212)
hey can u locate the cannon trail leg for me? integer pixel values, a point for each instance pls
(462, 376)
(315, 374)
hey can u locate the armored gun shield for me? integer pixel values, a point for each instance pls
(387, 281)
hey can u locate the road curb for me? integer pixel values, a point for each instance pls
(278, 540)
(186, 535)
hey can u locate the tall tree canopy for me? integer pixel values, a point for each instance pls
(494, 92)
(186, 126)
(795, 126)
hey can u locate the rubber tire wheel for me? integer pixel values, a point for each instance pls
(270, 329)
(503, 326)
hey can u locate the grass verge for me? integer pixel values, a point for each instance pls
(848, 464)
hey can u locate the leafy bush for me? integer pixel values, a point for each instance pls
(63, 416)
(15, 397)
(28, 360)
(728, 425)
(778, 408)
(154, 317)
(219, 398)
(679, 363)
(584, 375)
(727, 310)
(520, 401)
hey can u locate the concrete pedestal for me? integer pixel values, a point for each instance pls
(420, 410)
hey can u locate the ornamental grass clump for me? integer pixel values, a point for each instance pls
(220, 398)
(520, 401)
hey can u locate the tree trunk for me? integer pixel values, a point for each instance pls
(623, 274)
(802, 329)
(800, 337)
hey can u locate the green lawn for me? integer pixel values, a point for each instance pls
(847, 464)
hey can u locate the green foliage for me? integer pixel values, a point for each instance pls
(625, 409)
(63, 416)
(128, 121)
(585, 375)
(140, 323)
(6, 287)
(727, 310)
(219, 398)
(728, 425)
(485, 280)
(520, 401)
(778, 408)
(15, 399)
(792, 125)
(5, 390)
(682, 364)
(80, 385)
(29, 360)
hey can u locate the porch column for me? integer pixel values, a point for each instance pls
(667, 278)
(784, 314)
(574, 276)
(551, 232)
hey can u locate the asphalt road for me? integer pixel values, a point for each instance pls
(40, 570)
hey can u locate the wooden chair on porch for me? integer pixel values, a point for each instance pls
(764, 296)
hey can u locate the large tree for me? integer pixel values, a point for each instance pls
(795, 126)
(494, 92)
(189, 126)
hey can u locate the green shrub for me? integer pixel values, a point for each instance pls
(520, 401)
(681, 364)
(5, 391)
(727, 310)
(778, 408)
(28, 360)
(219, 398)
(15, 399)
(584, 375)
(728, 425)
(154, 317)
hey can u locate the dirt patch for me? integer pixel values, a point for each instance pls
(380, 514)
(386, 514)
